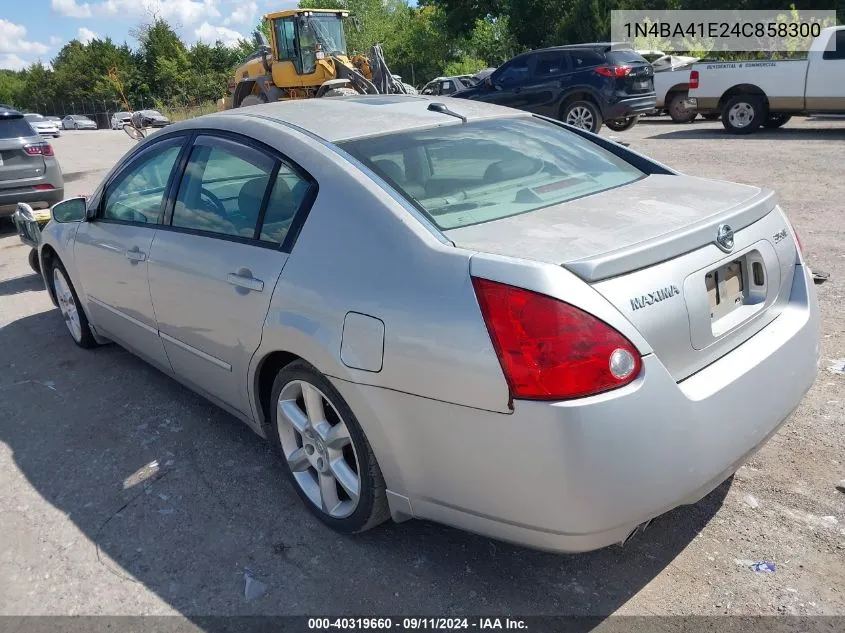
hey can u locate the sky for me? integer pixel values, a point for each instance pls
(32, 30)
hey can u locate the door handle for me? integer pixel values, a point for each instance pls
(135, 254)
(244, 279)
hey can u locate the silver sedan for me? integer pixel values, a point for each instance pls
(449, 310)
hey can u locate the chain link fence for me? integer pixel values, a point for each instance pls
(101, 111)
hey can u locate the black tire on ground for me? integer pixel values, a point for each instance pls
(776, 120)
(677, 111)
(620, 125)
(251, 100)
(32, 258)
(340, 92)
(86, 339)
(372, 508)
(712, 116)
(742, 114)
(584, 114)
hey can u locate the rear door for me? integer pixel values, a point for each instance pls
(213, 268)
(826, 76)
(17, 167)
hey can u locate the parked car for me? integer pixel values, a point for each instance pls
(154, 118)
(446, 85)
(42, 125)
(750, 94)
(582, 85)
(119, 119)
(29, 171)
(444, 309)
(78, 122)
(53, 118)
(671, 84)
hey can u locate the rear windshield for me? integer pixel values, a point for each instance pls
(625, 57)
(487, 170)
(15, 128)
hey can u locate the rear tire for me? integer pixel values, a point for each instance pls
(742, 114)
(677, 111)
(774, 121)
(324, 451)
(583, 114)
(33, 261)
(340, 92)
(620, 125)
(251, 100)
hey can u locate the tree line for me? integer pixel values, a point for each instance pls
(435, 37)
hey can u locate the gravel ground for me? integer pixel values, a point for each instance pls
(79, 429)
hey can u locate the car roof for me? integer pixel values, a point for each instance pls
(337, 119)
(9, 113)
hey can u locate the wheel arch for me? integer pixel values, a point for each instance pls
(743, 89)
(46, 256)
(582, 93)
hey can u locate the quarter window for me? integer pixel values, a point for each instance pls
(285, 199)
(137, 194)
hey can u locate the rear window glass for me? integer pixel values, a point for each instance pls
(15, 128)
(625, 57)
(487, 170)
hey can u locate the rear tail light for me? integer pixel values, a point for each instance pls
(39, 149)
(614, 71)
(550, 350)
(693, 79)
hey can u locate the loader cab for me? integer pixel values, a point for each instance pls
(303, 37)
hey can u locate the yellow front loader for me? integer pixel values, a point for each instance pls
(306, 57)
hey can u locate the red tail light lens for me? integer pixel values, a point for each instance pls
(43, 187)
(614, 71)
(39, 149)
(550, 350)
(693, 79)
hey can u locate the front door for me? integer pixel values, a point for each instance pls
(112, 251)
(508, 83)
(213, 269)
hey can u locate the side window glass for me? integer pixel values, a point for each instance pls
(285, 200)
(836, 47)
(222, 188)
(446, 88)
(549, 64)
(138, 193)
(284, 38)
(585, 59)
(514, 73)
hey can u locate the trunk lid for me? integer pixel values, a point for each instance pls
(640, 80)
(650, 249)
(18, 167)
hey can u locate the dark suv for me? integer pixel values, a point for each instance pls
(582, 85)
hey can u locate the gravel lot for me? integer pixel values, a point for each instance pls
(79, 538)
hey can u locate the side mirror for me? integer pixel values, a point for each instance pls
(72, 210)
(260, 40)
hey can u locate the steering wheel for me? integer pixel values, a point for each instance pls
(217, 206)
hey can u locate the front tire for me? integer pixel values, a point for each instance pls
(33, 261)
(251, 100)
(72, 312)
(774, 121)
(743, 114)
(678, 111)
(620, 125)
(583, 114)
(324, 451)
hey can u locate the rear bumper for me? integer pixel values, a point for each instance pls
(580, 475)
(37, 199)
(631, 106)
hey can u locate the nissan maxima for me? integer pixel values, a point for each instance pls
(450, 310)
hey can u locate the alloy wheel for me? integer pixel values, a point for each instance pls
(67, 304)
(318, 449)
(580, 116)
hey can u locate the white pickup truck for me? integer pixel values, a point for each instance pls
(749, 94)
